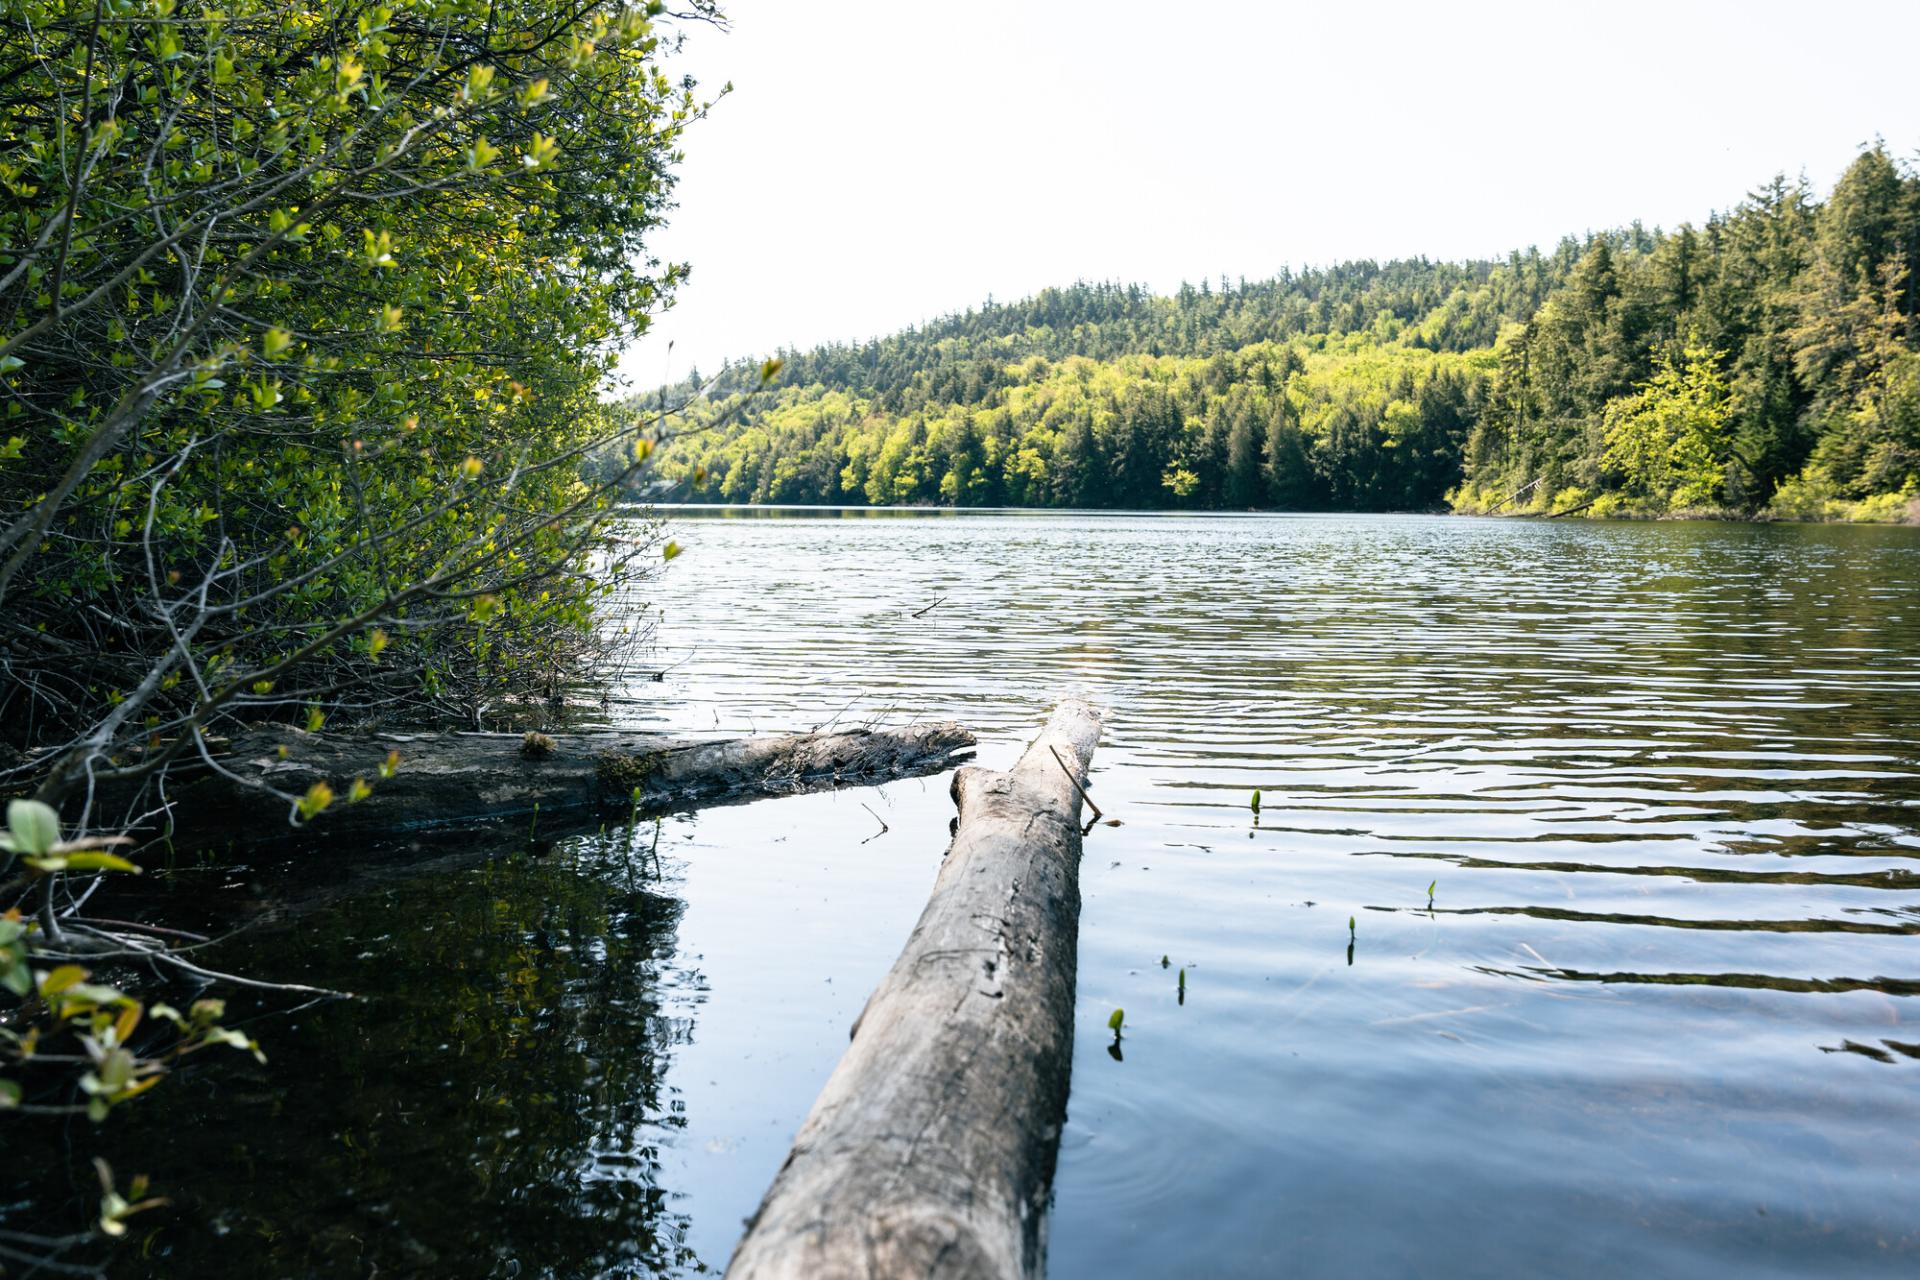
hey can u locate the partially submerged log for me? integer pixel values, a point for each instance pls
(447, 780)
(931, 1149)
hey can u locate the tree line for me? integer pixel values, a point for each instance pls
(1764, 361)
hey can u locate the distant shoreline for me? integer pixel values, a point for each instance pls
(802, 509)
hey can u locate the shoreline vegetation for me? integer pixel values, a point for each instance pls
(305, 317)
(1764, 364)
(1893, 509)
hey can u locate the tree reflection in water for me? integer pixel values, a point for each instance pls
(504, 1064)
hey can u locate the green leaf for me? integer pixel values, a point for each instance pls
(9, 1094)
(94, 861)
(540, 153)
(233, 1040)
(33, 826)
(1119, 1016)
(60, 979)
(315, 802)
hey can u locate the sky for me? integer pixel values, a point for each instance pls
(880, 164)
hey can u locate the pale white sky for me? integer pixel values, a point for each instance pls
(881, 162)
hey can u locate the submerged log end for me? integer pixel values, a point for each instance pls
(779, 766)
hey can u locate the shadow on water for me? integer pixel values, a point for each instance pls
(493, 1106)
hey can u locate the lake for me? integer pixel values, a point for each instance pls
(1626, 818)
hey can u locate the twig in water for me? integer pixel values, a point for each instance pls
(921, 613)
(102, 922)
(824, 725)
(156, 953)
(1097, 815)
(884, 828)
(1572, 511)
(1526, 488)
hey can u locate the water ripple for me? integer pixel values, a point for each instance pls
(1661, 781)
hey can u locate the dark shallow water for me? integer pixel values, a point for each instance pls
(1658, 1017)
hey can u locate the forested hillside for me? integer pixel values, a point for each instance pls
(1762, 361)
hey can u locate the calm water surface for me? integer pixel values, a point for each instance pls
(1657, 1017)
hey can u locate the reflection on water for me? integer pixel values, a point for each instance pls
(1623, 818)
(496, 1094)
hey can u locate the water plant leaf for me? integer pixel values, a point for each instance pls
(1113, 1023)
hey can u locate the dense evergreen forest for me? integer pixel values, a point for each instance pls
(1763, 362)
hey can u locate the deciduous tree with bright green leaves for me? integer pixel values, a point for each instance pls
(305, 313)
(1669, 443)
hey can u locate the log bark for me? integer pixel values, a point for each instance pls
(931, 1149)
(449, 780)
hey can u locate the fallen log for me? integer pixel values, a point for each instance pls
(931, 1149)
(448, 780)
